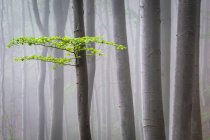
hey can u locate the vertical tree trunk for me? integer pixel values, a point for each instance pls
(90, 31)
(196, 126)
(137, 78)
(44, 29)
(107, 79)
(182, 95)
(123, 72)
(152, 110)
(81, 73)
(60, 12)
(165, 59)
(23, 90)
(3, 113)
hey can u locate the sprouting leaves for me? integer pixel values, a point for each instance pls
(73, 47)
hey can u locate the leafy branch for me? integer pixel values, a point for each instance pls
(73, 47)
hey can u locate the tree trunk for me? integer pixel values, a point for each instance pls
(123, 72)
(82, 75)
(152, 110)
(90, 31)
(44, 29)
(24, 86)
(182, 95)
(3, 113)
(196, 126)
(137, 78)
(165, 59)
(60, 12)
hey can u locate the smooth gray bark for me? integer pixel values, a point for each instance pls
(182, 99)
(196, 126)
(81, 74)
(152, 109)
(3, 112)
(137, 78)
(165, 58)
(123, 72)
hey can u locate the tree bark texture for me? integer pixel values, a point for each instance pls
(151, 93)
(182, 99)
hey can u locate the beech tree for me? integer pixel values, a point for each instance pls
(185, 51)
(123, 72)
(43, 26)
(152, 110)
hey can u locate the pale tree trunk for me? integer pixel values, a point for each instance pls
(204, 52)
(165, 59)
(123, 72)
(137, 78)
(44, 29)
(82, 74)
(90, 31)
(196, 126)
(180, 115)
(152, 110)
(24, 74)
(60, 12)
(3, 112)
(107, 74)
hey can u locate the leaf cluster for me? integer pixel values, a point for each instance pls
(73, 47)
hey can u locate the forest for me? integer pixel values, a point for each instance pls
(104, 70)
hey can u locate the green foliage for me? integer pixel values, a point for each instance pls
(73, 47)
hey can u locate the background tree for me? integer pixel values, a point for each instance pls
(182, 96)
(196, 126)
(123, 72)
(60, 12)
(152, 110)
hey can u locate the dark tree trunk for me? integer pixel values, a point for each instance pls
(81, 74)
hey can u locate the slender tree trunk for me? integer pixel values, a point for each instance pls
(123, 72)
(107, 78)
(182, 98)
(165, 58)
(137, 78)
(58, 86)
(152, 110)
(3, 113)
(24, 74)
(44, 29)
(90, 31)
(196, 126)
(82, 75)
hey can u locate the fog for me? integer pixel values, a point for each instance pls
(24, 84)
